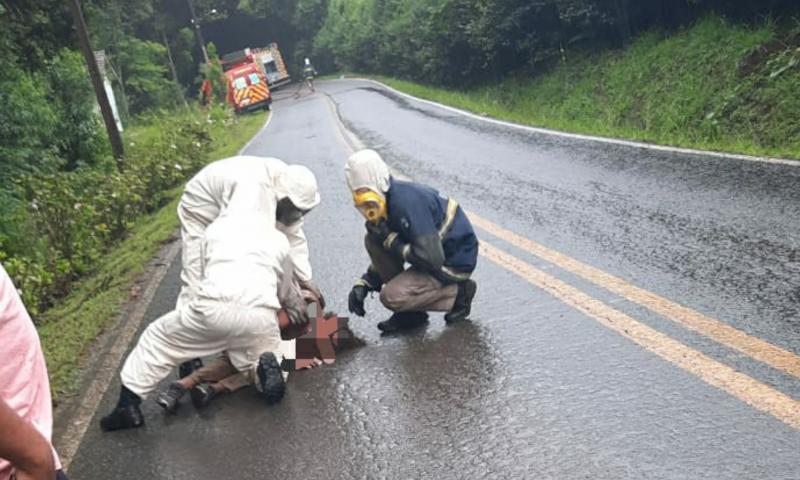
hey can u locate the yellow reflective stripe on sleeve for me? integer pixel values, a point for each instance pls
(362, 283)
(454, 275)
(406, 251)
(387, 244)
(450, 216)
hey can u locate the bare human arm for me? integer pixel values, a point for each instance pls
(27, 450)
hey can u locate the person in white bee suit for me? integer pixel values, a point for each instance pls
(210, 191)
(247, 276)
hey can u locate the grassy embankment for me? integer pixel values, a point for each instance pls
(68, 329)
(715, 86)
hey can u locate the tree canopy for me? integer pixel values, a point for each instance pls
(457, 41)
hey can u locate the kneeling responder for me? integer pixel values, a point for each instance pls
(210, 191)
(234, 309)
(411, 223)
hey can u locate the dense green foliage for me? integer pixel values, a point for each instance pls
(47, 120)
(463, 42)
(64, 203)
(716, 85)
(76, 216)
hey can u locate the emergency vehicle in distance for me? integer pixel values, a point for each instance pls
(271, 62)
(250, 74)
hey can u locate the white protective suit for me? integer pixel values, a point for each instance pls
(210, 192)
(245, 260)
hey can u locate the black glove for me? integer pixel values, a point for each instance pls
(379, 232)
(355, 302)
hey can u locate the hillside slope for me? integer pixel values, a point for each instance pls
(714, 85)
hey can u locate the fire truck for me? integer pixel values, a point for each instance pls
(251, 73)
(271, 62)
(247, 83)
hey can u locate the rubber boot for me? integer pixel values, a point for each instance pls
(202, 394)
(126, 414)
(270, 378)
(403, 321)
(169, 399)
(186, 368)
(463, 303)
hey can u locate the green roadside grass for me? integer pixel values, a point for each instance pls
(68, 330)
(704, 87)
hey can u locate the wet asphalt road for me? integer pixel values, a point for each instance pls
(531, 387)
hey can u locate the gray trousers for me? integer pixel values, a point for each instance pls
(408, 290)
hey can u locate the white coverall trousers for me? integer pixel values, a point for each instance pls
(204, 327)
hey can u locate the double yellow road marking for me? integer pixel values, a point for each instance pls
(743, 387)
(756, 348)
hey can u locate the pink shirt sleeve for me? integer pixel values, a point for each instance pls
(24, 384)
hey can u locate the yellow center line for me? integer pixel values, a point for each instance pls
(756, 348)
(741, 386)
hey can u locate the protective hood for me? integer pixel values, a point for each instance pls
(299, 184)
(366, 169)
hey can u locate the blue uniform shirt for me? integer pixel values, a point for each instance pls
(416, 210)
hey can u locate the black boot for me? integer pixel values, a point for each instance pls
(186, 368)
(170, 398)
(202, 394)
(403, 321)
(270, 378)
(126, 414)
(463, 303)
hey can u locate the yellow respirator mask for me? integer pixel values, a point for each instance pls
(371, 205)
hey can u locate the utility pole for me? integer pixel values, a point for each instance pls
(172, 68)
(198, 35)
(97, 81)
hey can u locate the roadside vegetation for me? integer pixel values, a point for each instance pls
(714, 85)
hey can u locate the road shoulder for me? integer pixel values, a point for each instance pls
(73, 416)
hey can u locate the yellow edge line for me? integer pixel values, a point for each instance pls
(756, 348)
(741, 386)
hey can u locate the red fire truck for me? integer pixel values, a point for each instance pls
(247, 84)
